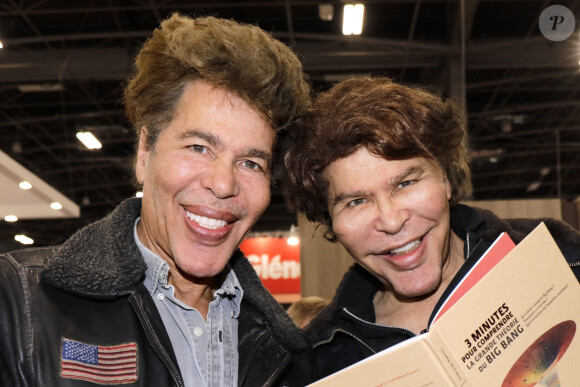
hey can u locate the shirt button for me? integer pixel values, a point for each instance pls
(160, 296)
(232, 313)
(197, 331)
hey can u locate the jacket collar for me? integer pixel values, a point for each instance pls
(102, 259)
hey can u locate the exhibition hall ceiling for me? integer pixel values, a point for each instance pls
(63, 65)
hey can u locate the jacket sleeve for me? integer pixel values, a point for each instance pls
(14, 325)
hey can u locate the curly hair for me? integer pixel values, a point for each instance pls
(240, 58)
(392, 121)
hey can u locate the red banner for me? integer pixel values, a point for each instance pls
(277, 264)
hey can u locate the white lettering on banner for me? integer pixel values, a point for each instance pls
(274, 268)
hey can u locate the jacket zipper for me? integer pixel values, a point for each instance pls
(375, 324)
(468, 246)
(331, 338)
(154, 342)
(347, 333)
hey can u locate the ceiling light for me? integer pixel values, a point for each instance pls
(55, 205)
(544, 171)
(23, 239)
(16, 147)
(326, 12)
(293, 239)
(1, 45)
(40, 87)
(534, 186)
(11, 218)
(25, 185)
(139, 194)
(352, 19)
(89, 140)
(485, 153)
(506, 126)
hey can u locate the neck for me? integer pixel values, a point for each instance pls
(195, 292)
(413, 313)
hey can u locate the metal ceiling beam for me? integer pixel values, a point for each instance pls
(116, 63)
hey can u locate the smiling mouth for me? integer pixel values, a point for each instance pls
(407, 248)
(206, 222)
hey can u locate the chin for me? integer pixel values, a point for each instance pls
(197, 268)
(201, 272)
(420, 290)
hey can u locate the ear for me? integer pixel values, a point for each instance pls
(447, 186)
(142, 156)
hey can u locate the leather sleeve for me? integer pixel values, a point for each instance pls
(14, 325)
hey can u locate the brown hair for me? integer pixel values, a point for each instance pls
(304, 309)
(243, 59)
(390, 120)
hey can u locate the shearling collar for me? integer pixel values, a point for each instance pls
(102, 260)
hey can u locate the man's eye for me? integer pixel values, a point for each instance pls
(405, 183)
(252, 165)
(355, 202)
(199, 148)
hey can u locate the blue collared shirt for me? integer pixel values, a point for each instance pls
(206, 351)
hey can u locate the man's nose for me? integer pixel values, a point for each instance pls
(392, 215)
(221, 179)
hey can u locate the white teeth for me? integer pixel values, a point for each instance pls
(205, 221)
(408, 247)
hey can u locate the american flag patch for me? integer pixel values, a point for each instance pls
(98, 364)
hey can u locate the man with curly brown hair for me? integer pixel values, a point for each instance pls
(157, 293)
(384, 166)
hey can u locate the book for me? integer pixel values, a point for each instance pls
(494, 254)
(512, 321)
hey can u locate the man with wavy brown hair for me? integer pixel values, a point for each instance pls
(384, 166)
(157, 293)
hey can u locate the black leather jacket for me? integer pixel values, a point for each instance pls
(345, 333)
(90, 290)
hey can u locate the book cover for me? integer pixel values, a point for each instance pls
(516, 326)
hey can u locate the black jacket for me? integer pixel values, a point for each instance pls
(344, 332)
(90, 290)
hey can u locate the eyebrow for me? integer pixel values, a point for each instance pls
(344, 196)
(210, 138)
(393, 181)
(216, 141)
(406, 173)
(253, 152)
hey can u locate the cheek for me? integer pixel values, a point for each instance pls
(257, 192)
(432, 203)
(349, 228)
(174, 174)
